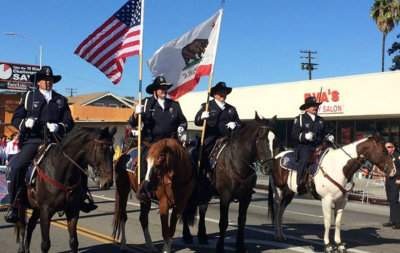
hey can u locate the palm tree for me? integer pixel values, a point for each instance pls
(386, 14)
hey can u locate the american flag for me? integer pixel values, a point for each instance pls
(118, 38)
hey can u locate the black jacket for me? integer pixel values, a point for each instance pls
(34, 105)
(303, 124)
(159, 123)
(216, 123)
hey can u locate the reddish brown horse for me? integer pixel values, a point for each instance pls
(174, 179)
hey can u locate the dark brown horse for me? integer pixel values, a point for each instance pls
(333, 181)
(60, 183)
(174, 179)
(235, 177)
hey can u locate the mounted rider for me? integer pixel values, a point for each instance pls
(308, 133)
(41, 113)
(221, 120)
(161, 118)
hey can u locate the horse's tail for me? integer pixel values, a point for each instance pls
(121, 199)
(271, 211)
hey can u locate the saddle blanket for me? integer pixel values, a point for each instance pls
(288, 162)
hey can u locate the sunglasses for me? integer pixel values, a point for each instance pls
(389, 146)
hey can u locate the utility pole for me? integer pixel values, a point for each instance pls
(309, 66)
(71, 91)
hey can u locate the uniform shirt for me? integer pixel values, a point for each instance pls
(34, 105)
(158, 122)
(216, 123)
(302, 124)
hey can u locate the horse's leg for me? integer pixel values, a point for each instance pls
(30, 227)
(121, 200)
(327, 211)
(144, 221)
(339, 207)
(202, 231)
(223, 220)
(45, 217)
(164, 213)
(287, 196)
(243, 206)
(186, 235)
(279, 208)
(72, 221)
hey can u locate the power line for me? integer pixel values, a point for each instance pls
(309, 66)
(71, 91)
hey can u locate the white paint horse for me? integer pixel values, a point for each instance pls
(333, 182)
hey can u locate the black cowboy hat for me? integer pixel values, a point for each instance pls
(309, 102)
(219, 87)
(44, 73)
(159, 83)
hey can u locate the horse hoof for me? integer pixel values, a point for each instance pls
(280, 238)
(341, 248)
(330, 248)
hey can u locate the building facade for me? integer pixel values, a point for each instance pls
(353, 106)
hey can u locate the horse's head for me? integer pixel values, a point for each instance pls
(101, 156)
(266, 141)
(373, 149)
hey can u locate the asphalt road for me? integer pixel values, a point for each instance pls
(361, 230)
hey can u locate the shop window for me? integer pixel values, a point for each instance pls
(364, 128)
(345, 131)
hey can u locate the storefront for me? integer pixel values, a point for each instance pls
(353, 106)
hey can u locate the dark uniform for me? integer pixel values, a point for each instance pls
(392, 193)
(33, 105)
(304, 148)
(216, 125)
(159, 123)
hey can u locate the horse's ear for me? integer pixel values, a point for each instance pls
(113, 130)
(272, 122)
(256, 117)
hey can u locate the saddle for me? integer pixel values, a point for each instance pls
(30, 176)
(289, 160)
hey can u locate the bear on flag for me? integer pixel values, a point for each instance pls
(184, 60)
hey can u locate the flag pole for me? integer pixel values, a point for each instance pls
(139, 125)
(210, 80)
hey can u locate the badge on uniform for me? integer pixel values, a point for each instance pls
(171, 110)
(307, 125)
(36, 104)
(59, 103)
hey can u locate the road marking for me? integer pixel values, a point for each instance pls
(276, 244)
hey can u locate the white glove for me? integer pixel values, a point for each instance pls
(53, 127)
(231, 125)
(135, 132)
(29, 122)
(180, 130)
(139, 109)
(330, 138)
(309, 136)
(205, 115)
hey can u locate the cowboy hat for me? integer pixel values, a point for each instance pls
(220, 86)
(310, 102)
(45, 73)
(158, 83)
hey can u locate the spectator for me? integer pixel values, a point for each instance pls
(12, 147)
(3, 156)
(392, 189)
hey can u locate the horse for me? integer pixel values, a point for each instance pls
(235, 177)
(174, 178)
(60, 185)
(333, 182)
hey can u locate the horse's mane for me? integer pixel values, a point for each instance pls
(174, 152)
(79, 135)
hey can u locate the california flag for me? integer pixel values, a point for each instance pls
(184, 60)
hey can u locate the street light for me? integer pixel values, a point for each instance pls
(28, 38)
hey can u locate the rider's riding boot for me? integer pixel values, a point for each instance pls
(88, 206)
(12, 212)
(301, 184)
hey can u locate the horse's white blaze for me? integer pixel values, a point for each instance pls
(271, 137)
(150, 163)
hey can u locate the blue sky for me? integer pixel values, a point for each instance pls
(259, 42)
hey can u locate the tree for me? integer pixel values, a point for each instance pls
(386, 14)
(396, 59)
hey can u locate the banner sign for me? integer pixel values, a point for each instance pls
(16, 76)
